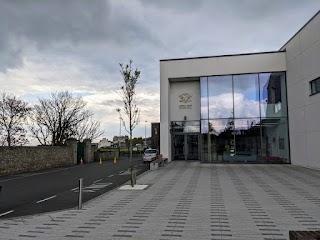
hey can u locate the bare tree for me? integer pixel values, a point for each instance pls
(57, 119)
(88, 129)
(13, 116)
(128, 94)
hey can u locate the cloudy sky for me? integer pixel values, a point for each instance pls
(77, 45)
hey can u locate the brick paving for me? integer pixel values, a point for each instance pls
(189, 200)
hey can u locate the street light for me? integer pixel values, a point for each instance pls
(145, 133)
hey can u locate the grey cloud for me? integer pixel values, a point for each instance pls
(46, 23)
(266, 8)
(176, 6)
(114, 103)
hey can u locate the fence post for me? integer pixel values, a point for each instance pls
(80, 193)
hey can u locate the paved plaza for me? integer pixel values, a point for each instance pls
(190, 200)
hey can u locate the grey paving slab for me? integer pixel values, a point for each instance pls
(189, 200)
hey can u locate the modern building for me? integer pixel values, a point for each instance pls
(253, 107)
(155, 135)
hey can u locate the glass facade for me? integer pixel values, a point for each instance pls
(244, 118)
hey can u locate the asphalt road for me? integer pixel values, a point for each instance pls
(57, 189)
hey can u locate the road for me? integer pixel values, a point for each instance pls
(57, 189)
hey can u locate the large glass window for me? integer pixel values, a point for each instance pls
(246, 96)
(275, 144)
(247, 120)
(185, 127)
(204, 97)
(220, 97)
(273, 95)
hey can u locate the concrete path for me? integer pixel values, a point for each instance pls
(189, 200)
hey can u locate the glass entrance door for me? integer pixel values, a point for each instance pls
(185, 147)
(192, 149)
(178, 147)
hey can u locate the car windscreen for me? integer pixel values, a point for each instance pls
(151, 151)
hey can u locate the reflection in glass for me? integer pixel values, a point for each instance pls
(204, 97)
(220, 97)
(204, 126)
(247, 120)
(178, 149)
(218, 142)
(185, 127)
(246, 96)
(275, 145)
(273, 95)
(247, 139)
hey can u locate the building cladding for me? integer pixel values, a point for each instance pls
(255, 108)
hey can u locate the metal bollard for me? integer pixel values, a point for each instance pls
(80, 193)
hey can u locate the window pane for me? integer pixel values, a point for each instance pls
(273, 95)
(315, 86)
(186, 127)
(219, 140)
(204, 126)
(204, 97)
(247, 139)
(220, 97)
(275, 147)
(246, 96)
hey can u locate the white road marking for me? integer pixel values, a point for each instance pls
(73, 189)
(46, 199)
(97, 180)
(105, 184)
(6, 213)
(111, 175)
(97, 186)
(93, 188)
(85, 190)
(91, 191)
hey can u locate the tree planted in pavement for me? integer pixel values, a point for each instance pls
(128, 94)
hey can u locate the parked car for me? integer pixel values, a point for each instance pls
(148, 154)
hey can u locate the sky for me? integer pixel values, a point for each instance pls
(77, 45)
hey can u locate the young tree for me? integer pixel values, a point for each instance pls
(131, 110)
(13, 116)
(57, 119)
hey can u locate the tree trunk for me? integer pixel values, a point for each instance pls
(131, 161)
(8, 139)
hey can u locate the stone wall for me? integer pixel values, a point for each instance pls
(106, 155)
(15, 160)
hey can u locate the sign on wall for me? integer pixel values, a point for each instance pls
(185, 101)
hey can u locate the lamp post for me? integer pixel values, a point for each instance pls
(145, 134)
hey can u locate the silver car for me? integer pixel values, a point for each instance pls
(148, 154)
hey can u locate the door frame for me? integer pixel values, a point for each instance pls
(185, 141)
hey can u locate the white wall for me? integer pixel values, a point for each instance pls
(224, 65)
(303, 65)
(179, 110)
